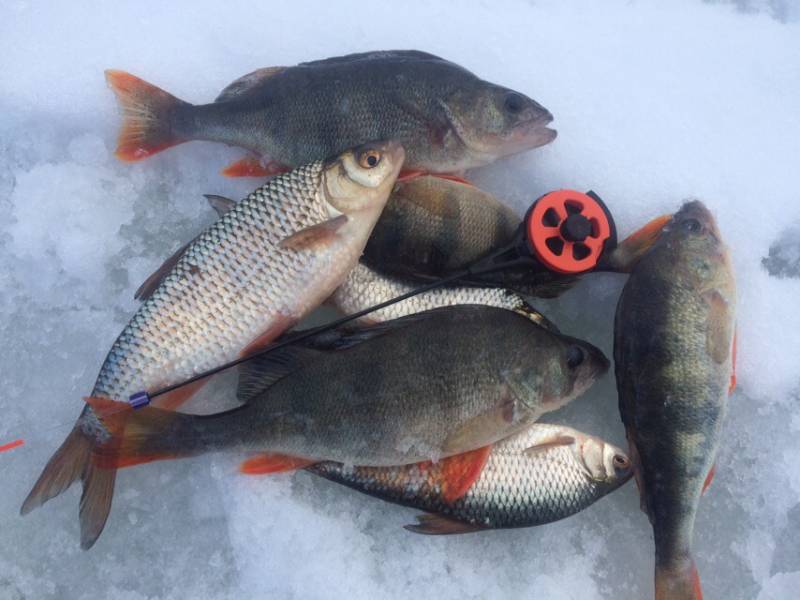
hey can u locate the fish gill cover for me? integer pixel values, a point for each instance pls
(653, 104)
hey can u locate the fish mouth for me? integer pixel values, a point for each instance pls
(695, 209)
(535, 132)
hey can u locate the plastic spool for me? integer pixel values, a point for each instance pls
(567, 231)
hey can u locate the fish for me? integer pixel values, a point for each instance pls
(433, 227)
(540, 475)
(447, 118)
(422, 387)
(237, 286)
(365, 287)
(674, 350)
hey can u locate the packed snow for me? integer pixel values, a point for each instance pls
(654, 103)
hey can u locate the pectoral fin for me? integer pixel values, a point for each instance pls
(553, 442)
(719, 336)
(491, 425)
(316, 236)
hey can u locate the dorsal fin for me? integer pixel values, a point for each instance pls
(220, 204)
(247, 83)
(262, 372)
(156, 277)
(348, 336)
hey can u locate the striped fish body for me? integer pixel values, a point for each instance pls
(673, 353)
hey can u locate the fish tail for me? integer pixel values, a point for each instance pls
(73, 461)
(148, 112)
(143, 435)
(680, 582)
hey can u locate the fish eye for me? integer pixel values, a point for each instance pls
(369, 159)
(621, 461)
(513, 102)
(692, 226)
(575, 356)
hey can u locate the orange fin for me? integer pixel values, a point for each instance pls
(146, 109)
(250, 166)
(266, 463)
(12, 445)
(681, 583)
(453, 177)
(319, 235)
(440, 525)
(132, 433)
(459, 472)
(409, 174)
(632, 248)
(172, 400)
(709, 477)
(732, 384)
(280, 324)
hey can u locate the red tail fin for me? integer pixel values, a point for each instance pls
(138, 436)
(681, 583)
(147, 127)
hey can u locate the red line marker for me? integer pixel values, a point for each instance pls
(12, 445)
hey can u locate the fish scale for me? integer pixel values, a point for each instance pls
(516, 488)
(365, 287)
(239, 284)
(214, 270)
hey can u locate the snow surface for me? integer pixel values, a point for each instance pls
(653, 104)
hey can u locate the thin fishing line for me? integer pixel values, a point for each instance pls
(143, 398)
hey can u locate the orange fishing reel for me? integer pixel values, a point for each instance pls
(569, 231)
(565, 232)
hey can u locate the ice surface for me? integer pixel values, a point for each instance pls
(653, 104)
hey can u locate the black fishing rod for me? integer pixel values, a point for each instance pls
(565, 231)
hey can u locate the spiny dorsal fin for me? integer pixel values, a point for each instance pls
(262, 372)
(247, 83)
(348, 336)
